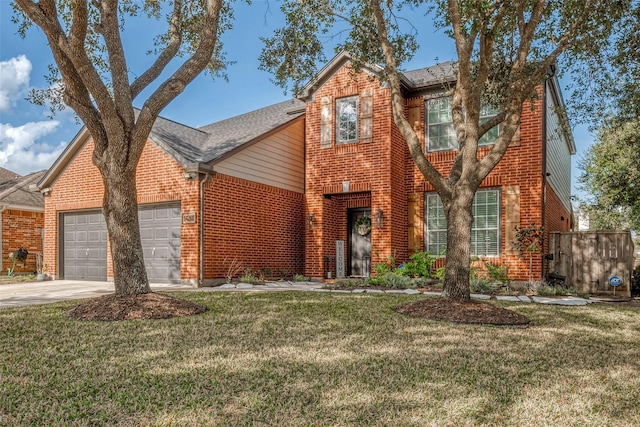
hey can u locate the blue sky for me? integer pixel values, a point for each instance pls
(30, 141)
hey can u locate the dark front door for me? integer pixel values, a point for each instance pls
(360, 242)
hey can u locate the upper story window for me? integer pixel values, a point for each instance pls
(440, 132)
(346, 120)
(441, 135)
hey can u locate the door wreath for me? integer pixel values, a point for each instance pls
(363, 225)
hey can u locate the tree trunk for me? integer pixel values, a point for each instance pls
(459, 214)
(120, 208)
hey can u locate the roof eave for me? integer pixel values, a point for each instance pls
(62, 161)
(328, 70)
(555, 87)
(212, 162)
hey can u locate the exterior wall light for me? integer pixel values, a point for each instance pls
(379, 219)
(310, 220)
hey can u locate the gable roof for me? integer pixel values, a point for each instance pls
(6, 175)
(198, 149)
(15, 193)
(226, 136)
(414, 80)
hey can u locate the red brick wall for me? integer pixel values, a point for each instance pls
(521, 166)
(260, 226)
(21, 229)
(385, 170)
(375, 176)
(159, 179)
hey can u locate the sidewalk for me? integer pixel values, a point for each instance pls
(23, 294)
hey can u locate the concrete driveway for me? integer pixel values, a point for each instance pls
(22, 294)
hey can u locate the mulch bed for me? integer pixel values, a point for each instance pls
(471, 311)
(145, 306)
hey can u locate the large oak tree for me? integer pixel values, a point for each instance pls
(85, 37)
(504, 50)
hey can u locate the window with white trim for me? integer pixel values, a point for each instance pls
(441, 135)
(346, 120)
(485, 231)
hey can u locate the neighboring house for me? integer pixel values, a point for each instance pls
(358, 165)
(21, 219)
(232, 190)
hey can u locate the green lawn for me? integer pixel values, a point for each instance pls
(307, 359)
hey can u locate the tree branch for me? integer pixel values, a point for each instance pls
(176, 83)
(167, 55)
(397, 107)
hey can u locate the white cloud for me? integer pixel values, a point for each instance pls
(19, 150)
(14, 80)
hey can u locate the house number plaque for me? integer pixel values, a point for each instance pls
(189, 218)
(339, 259)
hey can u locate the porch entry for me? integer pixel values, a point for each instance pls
(359, 242)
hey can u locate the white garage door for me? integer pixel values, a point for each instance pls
(84, 246)
(160, 228)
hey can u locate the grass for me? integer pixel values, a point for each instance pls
(306, 359)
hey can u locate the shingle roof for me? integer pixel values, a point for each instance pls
(6, 175)
(430, 76)
(192, 147)
(15, 192)
(227, 135)
(181, 142)
(208, 143)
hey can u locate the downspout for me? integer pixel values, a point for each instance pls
(2, 209)
(207, 177)
(550, 74)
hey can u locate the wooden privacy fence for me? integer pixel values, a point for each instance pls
(589, 258)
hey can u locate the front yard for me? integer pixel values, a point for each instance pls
(303, 358)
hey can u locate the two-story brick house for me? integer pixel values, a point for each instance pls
(285, 186)
(358, 165)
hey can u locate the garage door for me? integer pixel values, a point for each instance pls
(160, 235)
(85, 246)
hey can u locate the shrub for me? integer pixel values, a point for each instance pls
(398, 281)
(382, 268)
(481, 286)
(385, 267)
(499, 273)
(300, 278)
(440, 273)
(421, 265)
(248, 276)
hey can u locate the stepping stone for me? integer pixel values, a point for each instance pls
(340, 291)
(507, 298)
(273, 285)
(480, 296)
(375, 291)
(524, 298)
(411, 291)
(394, 291)
(321, 290)
(244, 286)
(435, 294)
(227, 286)
(572, 301)
(542, 300)
(357, 291)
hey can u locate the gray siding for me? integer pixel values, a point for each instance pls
(277, 160)
(558, 154)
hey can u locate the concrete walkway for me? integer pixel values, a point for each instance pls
(23, 294)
